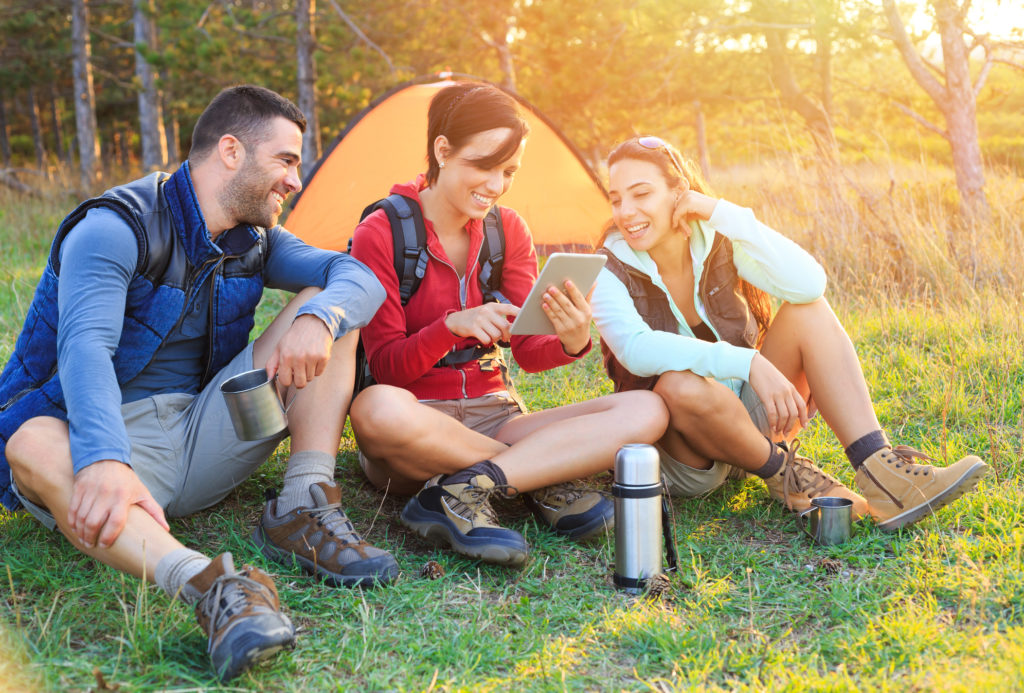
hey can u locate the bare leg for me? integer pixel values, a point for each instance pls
(316, 419)
(708, 422)
(40, 456)
(809, 346)
(411, 442)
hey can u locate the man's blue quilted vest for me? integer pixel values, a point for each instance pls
(176, 261)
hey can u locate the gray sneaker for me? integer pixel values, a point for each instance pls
(241, 615)
(323, 541)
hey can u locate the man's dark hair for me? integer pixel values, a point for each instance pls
(244, 111)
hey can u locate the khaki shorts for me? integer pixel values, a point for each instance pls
(184, 448)
(684, 480)
(485, 415)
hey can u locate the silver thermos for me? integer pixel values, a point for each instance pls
(637, 493)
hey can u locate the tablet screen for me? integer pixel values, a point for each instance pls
(581, 268)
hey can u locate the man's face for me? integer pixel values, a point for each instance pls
(269, 173)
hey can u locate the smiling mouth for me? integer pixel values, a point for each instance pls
(636, 230)
(480, 199)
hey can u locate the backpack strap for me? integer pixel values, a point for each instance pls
(492, 257)
(409, 237)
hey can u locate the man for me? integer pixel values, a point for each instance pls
(110, 410)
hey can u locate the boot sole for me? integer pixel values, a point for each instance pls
(965, 483)
(438, 529)
(286, 558)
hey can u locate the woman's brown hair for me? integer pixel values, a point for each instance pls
(675, 168)
(465, 108)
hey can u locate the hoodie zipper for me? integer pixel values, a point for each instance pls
(462, 303)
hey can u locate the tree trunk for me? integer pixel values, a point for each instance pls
(955, 99)
(702, 141)
(56, 113)
(37, 131)
(305, 21)
(959, 110)
(172, 131)
(814, 116)
(151, 121)
(85, 99)
(5, 142)
(824, 18)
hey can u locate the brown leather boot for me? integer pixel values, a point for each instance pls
(900, 491)
(799, 480)
(323, 541)
(241, 615)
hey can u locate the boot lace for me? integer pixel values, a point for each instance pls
(332, 518)
(230, 595)
(906, 456)
(474, 501)
(565, 493)
(800, 476)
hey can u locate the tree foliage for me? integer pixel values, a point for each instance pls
(770, 77)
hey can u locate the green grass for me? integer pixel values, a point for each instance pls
(754, 605)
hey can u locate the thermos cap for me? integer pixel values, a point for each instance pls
(637, 465)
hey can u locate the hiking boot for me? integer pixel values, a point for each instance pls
(572, 511)
(241, 616)
(323, 541)
(900, 491)
(460, 515)
(799, 480)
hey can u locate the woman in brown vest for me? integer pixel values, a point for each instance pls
(683, 308)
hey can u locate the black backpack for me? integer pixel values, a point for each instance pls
(409, 237)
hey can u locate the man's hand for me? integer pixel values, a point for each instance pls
(303, 352)
(570, 313)
(487, 324)
(100, 498)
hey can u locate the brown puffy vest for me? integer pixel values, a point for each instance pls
(720, 292)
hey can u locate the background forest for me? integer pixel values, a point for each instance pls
(731, 81)
(885, 137)
(863, 105)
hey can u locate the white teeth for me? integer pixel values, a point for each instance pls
(481, 199)
(636, 227)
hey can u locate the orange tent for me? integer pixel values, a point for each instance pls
(555, 191)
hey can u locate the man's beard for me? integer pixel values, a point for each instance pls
(246, 197)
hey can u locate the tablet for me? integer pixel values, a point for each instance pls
(581, 268)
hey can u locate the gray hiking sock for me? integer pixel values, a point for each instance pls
(175, 570)
(304, 469)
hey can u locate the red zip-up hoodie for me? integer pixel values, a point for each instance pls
(403, 344)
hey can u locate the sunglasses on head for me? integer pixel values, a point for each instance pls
(655, 143)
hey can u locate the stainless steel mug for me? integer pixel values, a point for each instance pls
(828, 520)
(256, 410)
(637, 493)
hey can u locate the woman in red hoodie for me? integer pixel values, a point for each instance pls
(459, 426)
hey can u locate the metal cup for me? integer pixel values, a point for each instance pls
(257, 412)
(828, 520)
